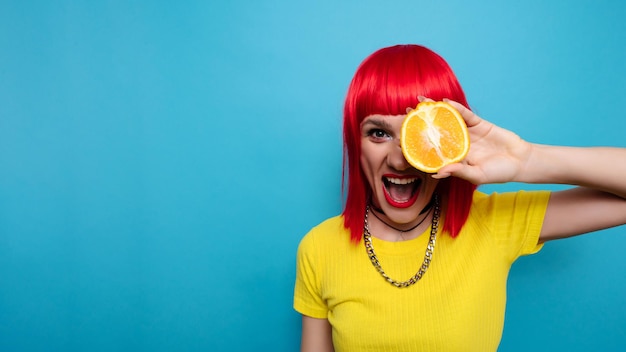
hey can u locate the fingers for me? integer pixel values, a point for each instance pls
(448, 171)
(460, 170)
(470, 118)
(422, 98)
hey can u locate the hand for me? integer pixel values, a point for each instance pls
(496, 155)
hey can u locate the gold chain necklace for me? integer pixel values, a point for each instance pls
(428, 256)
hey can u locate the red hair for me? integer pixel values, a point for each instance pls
(388, 82)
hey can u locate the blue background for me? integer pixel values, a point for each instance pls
(160, 160)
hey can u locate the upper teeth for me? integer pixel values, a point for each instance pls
(401, 181)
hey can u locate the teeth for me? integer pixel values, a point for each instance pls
(401, 181)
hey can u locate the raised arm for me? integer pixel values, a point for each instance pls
(498, 155)
(599, 202)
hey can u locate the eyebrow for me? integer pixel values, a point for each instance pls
(376, 121)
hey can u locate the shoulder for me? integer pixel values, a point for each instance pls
(511, 220)
(323, 243)
(329, 232)
(483, 202)
(495, 211)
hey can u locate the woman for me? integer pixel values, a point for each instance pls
(419, 261)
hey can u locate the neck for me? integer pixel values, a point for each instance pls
(404, 232)
(388, 231)
(376, 210)
(381, 211)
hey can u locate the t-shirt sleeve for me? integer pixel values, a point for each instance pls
(307, 293)
(516, 219)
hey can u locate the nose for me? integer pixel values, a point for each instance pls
(395, 158)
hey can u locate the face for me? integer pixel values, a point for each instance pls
(400, 190)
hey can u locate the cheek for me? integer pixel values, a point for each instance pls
(430, 184)
(372, 154)
(368, 165)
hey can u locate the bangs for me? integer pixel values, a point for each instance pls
(389, 82)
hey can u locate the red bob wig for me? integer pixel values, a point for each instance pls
(388, 82)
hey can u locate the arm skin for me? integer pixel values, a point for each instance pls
(598, 200)
(316, 335)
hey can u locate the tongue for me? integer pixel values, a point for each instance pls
(400, 193)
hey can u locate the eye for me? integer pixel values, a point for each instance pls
(378, 135)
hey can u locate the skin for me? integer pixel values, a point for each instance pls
(382, 158)
(597, 201)
(316, 335)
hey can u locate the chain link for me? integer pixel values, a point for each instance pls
(428, 256)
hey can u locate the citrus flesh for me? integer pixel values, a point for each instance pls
(434, 135)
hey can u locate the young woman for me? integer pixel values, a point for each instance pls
(419, 262)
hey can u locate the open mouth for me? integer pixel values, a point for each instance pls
(401, 192)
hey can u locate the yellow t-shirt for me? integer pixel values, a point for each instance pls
(457, 306)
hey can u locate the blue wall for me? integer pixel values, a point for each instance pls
(160, 160)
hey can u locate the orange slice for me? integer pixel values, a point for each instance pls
(433, 136)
